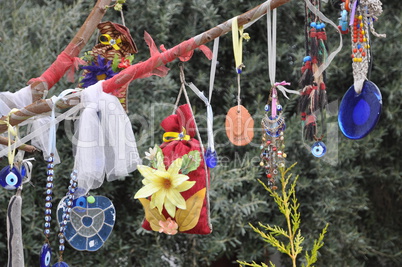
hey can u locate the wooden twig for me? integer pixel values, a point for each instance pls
(26, 148)
(141, 68)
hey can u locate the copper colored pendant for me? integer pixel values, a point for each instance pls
(239, 126)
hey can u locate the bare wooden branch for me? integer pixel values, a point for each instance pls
(43, 106)
(26, 148)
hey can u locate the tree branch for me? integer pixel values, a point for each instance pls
(139, 69)
(73, 48)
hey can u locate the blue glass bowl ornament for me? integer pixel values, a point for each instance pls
(45, 255)
(10, 178)
(359, 113)
(89, 225)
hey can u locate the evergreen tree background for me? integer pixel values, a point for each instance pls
(357, 188)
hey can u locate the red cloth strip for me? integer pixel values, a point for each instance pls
(60, 66)
(151, 66)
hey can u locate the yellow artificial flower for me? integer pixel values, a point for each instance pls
(164, 186)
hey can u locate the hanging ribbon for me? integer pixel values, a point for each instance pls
(238, 44)
(110, 41)
(210, 116)
(12, 132)
(271, 38)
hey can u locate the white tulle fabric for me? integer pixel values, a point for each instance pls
(104, 140)
(19, 100)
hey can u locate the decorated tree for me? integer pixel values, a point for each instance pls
(355, 187)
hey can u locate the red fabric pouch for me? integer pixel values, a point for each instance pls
(184, 119)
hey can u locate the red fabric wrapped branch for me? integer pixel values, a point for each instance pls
(175, 149)
(155, 65)
(63, 63)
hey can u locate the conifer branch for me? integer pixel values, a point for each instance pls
(288, 205)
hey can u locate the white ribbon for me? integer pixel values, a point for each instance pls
(104, 141)
(210, 116)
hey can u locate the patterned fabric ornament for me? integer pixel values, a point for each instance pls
(361, 105)
(174, 196)
(90, 222)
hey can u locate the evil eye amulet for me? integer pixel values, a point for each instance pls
(45, 255)
(211, 158)
(318, 149)
(10, 178)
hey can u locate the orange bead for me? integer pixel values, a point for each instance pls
(363, 54)
(352, 56)
(355, 50)
(354, 40)
(361, 49)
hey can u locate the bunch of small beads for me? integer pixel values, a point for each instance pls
(359, 38)
(49, 193)
(67, 206)
(272, 155)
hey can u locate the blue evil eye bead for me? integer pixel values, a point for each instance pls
(306, 58)
(279, 108)
(45, 255)
(88, 228)
(80, 202)
(10, 179)
(267, 108)
(211, 158)
(60, 264)
(318, 149)
(359, 113)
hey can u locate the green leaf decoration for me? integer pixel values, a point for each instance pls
(130, 58)
(152, 215)
(191, 161)
(187, 219)
(115, 63)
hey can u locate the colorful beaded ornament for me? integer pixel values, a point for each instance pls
(361, 105)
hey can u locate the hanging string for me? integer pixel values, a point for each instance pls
(213, 68)
(271, 37)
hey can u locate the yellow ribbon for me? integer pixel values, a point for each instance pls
(12, 131)
(110, 41)
(173, 136)
(238, 44)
